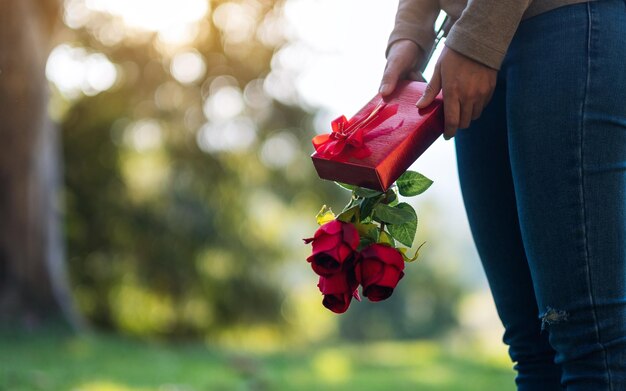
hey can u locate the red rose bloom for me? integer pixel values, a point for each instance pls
(379, 270)
(338, 291)
(334, 244)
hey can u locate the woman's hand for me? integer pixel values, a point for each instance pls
(467, 88)
(401, 59)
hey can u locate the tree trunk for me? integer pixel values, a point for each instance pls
(33, 279)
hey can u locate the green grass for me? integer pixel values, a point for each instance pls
(45, 361)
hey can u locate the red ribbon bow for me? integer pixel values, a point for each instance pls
(349, 138)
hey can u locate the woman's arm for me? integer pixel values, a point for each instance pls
(467, 68)
(486, 28)
(415, 21)
(410, 41)
(466, 71)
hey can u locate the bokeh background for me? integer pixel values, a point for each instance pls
(156, 187)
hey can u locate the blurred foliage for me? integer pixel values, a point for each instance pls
(423, 305)
(162, 235)
(189, 185)
(52, 362)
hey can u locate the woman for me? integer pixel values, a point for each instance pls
(541, 88)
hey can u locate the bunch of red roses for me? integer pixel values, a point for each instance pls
(360, 246)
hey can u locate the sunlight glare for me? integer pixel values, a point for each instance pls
(254, 95)
(237, 21)
(73, 70)
(224, 104)
(75, 14)
(178, 35)
(152, 15)
(271, 31)
(188, 67)
(100, 73)
(279, 85)
(279, 150)
(144, 135)
(235, 135)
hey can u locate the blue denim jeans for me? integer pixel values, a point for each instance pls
(543, 177)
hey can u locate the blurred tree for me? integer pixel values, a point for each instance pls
(185, 180)
(33, 283)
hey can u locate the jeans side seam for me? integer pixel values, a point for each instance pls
(583, 111)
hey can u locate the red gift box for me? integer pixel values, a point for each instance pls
(381, 141)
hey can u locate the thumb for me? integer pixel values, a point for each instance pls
(390, 79)
(432, 89)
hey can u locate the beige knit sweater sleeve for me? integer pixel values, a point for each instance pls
(415, 21)
(483, 32)
(486, 28)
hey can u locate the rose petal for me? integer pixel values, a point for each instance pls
(337, 303)
(377, 292)
(334, 284)
(326, 243)
(344, 252)
(390, 277)
(324, 265)
(379, 270)
(386, 254)
(332, 227)
(370, 270)
(351, 236)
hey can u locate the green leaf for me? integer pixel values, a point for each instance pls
(405, 233)
(393, 214)
(367, 206)
(364, 242)
(324, 215)
(367, 231)
(391, 197)
(384, 237)
(412, 183)
(345, 186)
(366, 193)
(348, 213)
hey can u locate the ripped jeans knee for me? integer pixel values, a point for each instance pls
(553, 316)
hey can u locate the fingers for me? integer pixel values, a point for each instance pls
(459, 114)
(466, 114)
(432, 89)
(403, 55)
(392, 74)
(477, 110)
(467, 87)
(452, 114)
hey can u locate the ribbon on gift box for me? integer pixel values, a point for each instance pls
(349, 138)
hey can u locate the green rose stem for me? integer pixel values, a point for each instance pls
(380, 216)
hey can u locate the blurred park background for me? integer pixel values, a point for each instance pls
(155, 185)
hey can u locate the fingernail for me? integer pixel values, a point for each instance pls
(446, 137)
(419, 101)
(383, 89)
